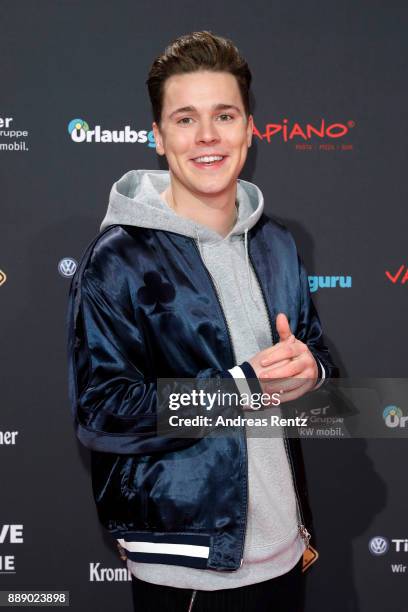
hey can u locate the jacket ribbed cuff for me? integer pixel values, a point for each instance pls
(245, 378)
(321, 374)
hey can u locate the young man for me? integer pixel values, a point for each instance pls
(190, 279)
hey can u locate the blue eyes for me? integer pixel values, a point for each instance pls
(187, 120)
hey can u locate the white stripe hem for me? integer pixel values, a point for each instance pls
(161, 548)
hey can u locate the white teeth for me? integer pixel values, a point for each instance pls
(208, 158)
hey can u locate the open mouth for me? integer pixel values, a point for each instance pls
(207, 161)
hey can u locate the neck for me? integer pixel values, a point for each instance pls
(218, 213)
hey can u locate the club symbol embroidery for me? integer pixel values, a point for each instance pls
(156, 292)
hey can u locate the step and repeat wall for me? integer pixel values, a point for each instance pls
(330, 156)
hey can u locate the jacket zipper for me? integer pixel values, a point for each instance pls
(234, 361)
(219, 302)
(302, 528)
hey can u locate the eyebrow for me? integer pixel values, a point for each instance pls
(192, 109)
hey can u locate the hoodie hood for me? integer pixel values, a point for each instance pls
(135, 200)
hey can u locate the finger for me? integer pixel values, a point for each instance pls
(282, 326)
(278, 364)
(270, 355)
(285, 389)
(278, 346)
(282, 386)
(294, 368)
(306, 386)
(283, 362)
(281, 351)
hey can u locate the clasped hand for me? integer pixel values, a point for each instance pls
(288, 367)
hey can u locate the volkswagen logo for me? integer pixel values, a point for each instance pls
(378, 545)
(67, 266)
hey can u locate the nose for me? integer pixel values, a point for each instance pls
(207, 131)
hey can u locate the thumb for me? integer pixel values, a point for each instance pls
(282, 326)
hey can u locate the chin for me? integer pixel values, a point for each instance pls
(213, 186)
(211, 191)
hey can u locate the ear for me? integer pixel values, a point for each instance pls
(250, 129)
(158, 138)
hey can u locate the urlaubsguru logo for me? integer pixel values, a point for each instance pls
(80, 131)
(329, 282)
(393, 417)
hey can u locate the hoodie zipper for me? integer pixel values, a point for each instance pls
(234, 361)
(302, 528)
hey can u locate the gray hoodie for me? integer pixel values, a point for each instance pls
(272, 544)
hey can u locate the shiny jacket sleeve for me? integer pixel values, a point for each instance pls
(113, 403)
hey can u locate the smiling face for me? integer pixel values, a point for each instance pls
(204, 132)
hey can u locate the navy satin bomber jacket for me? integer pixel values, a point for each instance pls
(143, 306)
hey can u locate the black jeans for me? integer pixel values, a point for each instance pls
(282, 594)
